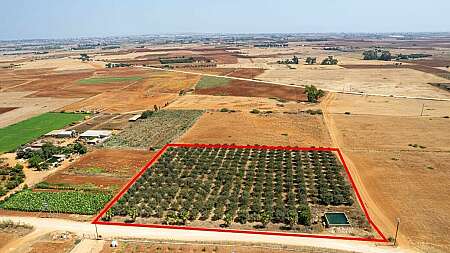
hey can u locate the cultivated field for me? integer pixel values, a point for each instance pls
(18, 134)
(156, 131)
(245, 128)
(253, 187)
(227, 87)
(27, 107)
(102, 168)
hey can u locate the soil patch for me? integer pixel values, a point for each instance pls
(245, 128)
(253, 89)
(7, 109)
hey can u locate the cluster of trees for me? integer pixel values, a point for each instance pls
(313, 93)
(234, 185)
(412, 56)
(10, 177)
(174, 60)
(116, 65)
(294, 60)
(377, 54)
(311, 60)
(330, 60)
(42, 158)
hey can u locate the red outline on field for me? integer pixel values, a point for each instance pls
(96, 220)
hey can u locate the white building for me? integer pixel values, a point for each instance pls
(135, 117)
(62, 133)
(92, 134)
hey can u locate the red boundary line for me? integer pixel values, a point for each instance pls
(96, 220)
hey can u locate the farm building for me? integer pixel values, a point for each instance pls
(61, 133)
(92, 134)
(135, 117)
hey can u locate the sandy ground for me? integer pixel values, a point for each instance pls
(404, 82)
(377, 153)
(28, 107)
(388, 106)
(58, 64)
(393, 132)
(248, 129)
(209, 102)
(131, 101)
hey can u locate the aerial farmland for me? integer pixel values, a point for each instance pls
(299, 142)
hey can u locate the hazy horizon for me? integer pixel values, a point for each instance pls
(51, 19)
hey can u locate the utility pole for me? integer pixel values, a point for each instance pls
(396, 231)
(96, 231)
(421, 113)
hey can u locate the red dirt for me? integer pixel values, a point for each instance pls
(7, 109)
(100, 181)
(253, 89)
(118, 166)
(247, 73)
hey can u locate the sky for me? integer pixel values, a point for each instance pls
(24, 19)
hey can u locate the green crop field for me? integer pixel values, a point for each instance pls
(109, 79)
(211, 82)
(62, 202)
(11, 137)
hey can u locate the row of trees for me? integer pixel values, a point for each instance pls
(232, 185)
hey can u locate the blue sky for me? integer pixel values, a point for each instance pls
(21, 19)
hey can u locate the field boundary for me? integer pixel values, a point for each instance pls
(97, 218)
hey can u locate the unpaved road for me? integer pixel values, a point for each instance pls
(110, 232)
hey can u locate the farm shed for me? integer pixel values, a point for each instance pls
(91, 134)
(135, 117)
(61, 133)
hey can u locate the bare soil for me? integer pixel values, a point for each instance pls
(117, 167)
(7, 109)
(253, 89)
(135, 246)
(248, 129)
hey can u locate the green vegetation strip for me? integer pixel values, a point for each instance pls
(109, 79)
(11, 137)
(212, 82)
(63, 202)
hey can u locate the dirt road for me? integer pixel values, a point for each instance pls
(110, 232)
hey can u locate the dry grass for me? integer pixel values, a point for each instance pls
(246, 128)
(370, 132)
